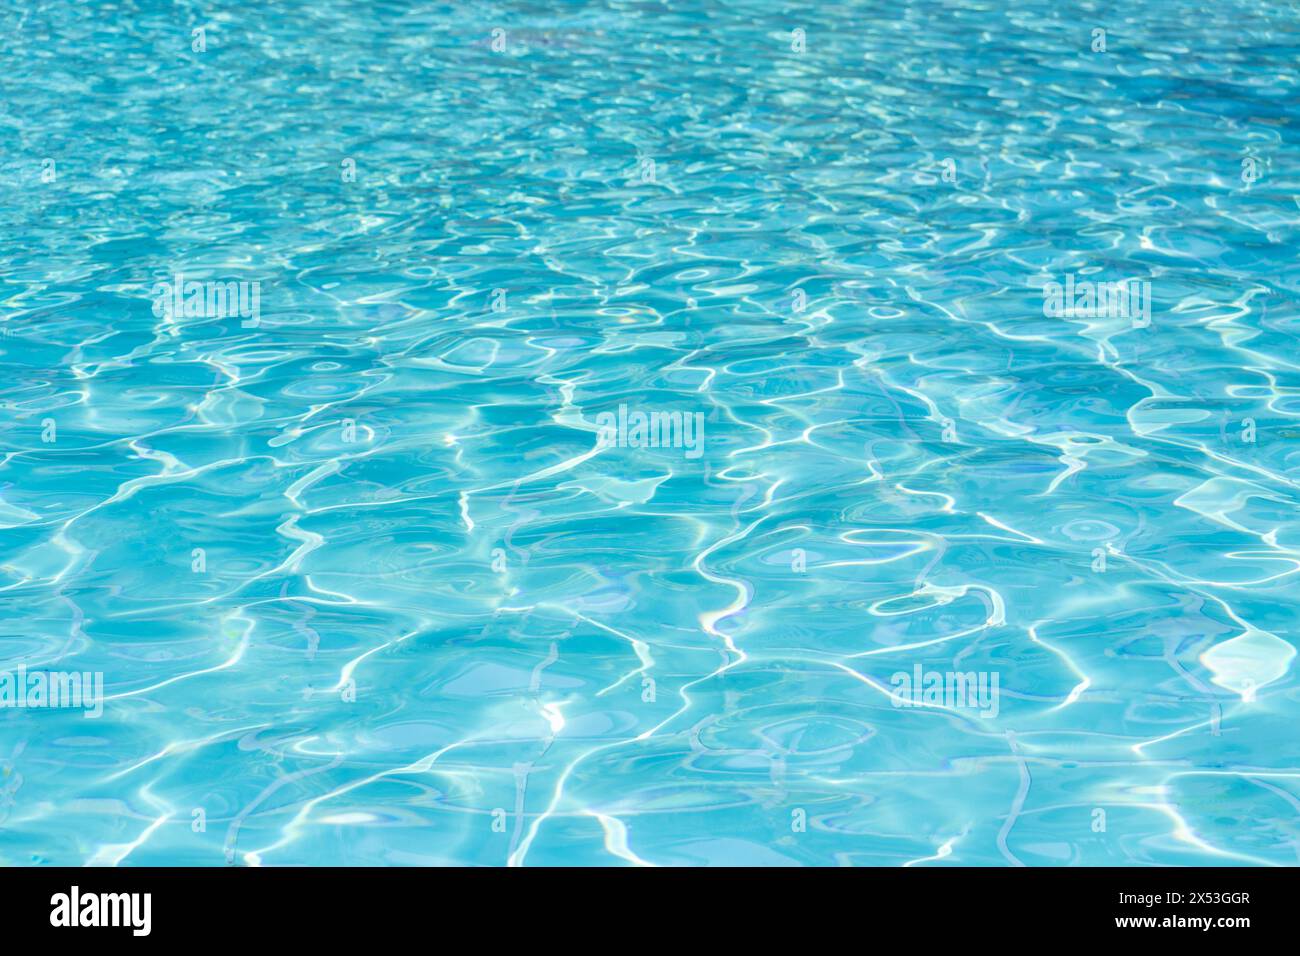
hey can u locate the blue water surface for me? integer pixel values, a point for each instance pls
(368, 581)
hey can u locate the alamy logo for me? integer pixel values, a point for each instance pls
(956, 690)
(192, 299)
(652, 430)
(102, 909)
(53, 689)
(1084, 299)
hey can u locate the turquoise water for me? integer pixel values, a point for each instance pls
(376, 560)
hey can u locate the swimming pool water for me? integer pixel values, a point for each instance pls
(650, 433)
